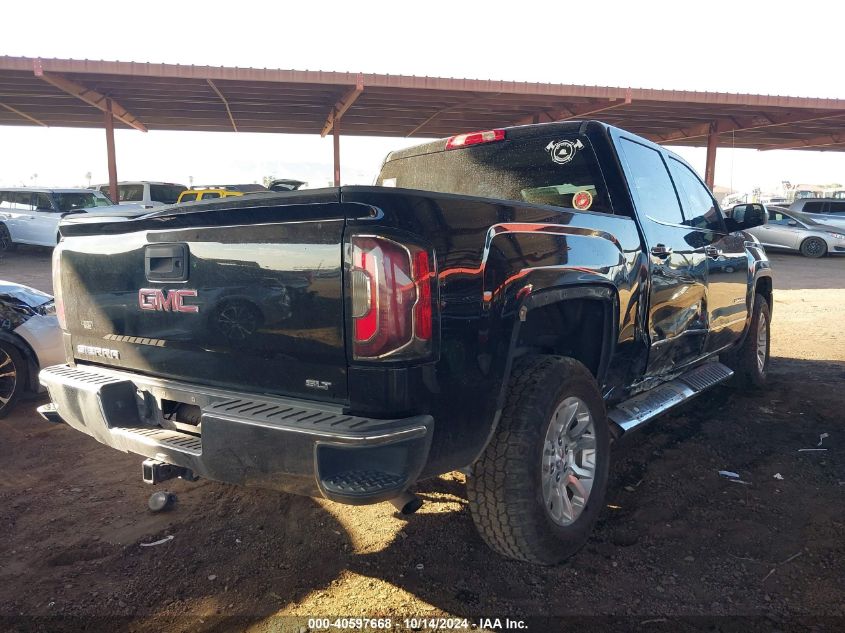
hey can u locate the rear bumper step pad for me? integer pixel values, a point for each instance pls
(277, 443)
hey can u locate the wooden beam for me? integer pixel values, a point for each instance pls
(225, 103)
(710, 164)
(336, 146)
(91, 97)
(575, 112)
(23, 114)
(817, 141)
(343, 105)
(108, 118)
(475, 99)
(754, 122)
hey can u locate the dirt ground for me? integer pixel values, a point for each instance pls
(675, 541)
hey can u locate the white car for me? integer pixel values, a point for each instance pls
(147, 194)
(32, 216)
(30, 339)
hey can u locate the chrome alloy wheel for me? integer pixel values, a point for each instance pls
(762, 343)
(8, 378)
(569, 461)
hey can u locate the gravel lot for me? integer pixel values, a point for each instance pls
(675, 541)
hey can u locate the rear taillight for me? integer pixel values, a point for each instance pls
(390, 284)
(475, 138)
(57, 287)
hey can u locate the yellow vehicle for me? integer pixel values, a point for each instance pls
(192, 195)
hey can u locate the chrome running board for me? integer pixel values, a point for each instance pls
(646, 406)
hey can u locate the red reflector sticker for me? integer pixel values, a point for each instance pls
(582, 200)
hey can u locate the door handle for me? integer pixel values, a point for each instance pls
(712, 251)
(661, 251)
(166, 262)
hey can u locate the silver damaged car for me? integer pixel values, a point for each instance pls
(794, 231)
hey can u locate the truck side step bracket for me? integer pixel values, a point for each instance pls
(646, 406)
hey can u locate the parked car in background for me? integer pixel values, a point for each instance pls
(147, 194)
(805, 192)
(192, 195)
(829, 211)
(208, 192)
(286, 184)
(798, 232)
(31, 216)
(30, 338)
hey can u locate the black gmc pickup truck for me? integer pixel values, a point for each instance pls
(505, 302)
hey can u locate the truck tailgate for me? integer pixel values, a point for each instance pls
(245, 297)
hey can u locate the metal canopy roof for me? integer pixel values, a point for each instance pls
(72, 93)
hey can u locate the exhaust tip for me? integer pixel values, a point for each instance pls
(407, 503)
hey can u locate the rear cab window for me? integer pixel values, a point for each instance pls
(558, 170)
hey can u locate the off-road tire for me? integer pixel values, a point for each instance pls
(9, 354)
(813, 247)
(504, 487)
(745, 360)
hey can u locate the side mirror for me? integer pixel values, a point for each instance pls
(747, 216)
(792, 223)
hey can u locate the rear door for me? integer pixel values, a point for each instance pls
(724, 256)
(778, 232)
(45, 220)
(13, 215)
(677, 318)
(33, 220)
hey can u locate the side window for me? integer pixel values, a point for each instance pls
(23, 201)
(813, 207)
(650, 183)
(700, 210)
(6, 200)
(131, 193)
(189, 197)
(776, 217)
(42, 202)
(210, 194)
(837, 208)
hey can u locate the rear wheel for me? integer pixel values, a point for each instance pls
(12, 375)
(813, 247)
(750, 361)
(6, 243)
(539, 486)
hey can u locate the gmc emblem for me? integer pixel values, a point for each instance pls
(154, 299)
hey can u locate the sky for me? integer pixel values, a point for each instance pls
(713, 46)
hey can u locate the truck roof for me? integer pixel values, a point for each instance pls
(513, 132)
